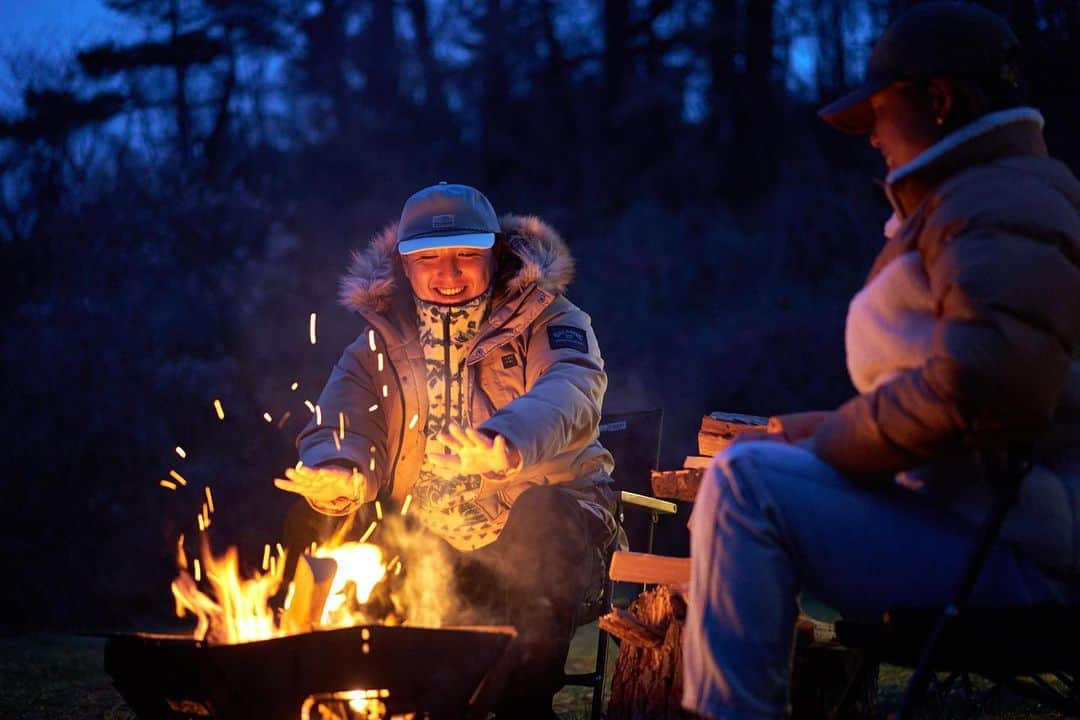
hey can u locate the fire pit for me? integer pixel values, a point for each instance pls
(348, 674)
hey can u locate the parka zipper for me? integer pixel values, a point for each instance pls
(446, 373)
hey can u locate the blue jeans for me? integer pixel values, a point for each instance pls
(772, 520)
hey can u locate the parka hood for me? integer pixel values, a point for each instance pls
(375, 274)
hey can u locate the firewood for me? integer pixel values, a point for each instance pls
(646, 568)
(625, 626)
(698, 462)
(676, 484)
(311, 586)
(719, 429)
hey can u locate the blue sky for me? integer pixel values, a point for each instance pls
(29, 22)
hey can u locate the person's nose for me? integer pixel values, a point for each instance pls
(449, 267)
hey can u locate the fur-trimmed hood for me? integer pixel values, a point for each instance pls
(375, 274)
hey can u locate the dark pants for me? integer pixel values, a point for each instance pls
(536, 576)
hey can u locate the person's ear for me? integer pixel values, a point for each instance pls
(943, 99)
(405, 266)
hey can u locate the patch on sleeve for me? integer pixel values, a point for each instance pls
(509, 361)
(562, 337)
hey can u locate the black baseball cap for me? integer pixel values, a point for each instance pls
(956, 40)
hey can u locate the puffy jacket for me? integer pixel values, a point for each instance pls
(993, 227)
(534, 371)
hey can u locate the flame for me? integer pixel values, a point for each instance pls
(230, 607)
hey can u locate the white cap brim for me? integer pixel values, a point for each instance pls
(480, 241)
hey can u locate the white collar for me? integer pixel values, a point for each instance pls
(980, 126)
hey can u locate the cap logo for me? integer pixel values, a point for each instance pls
(440, 222)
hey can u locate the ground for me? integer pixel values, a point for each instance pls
(61, 677)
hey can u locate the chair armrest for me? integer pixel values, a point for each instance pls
(663, 507)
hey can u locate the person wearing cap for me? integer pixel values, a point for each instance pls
(473, 394)
(962, 344)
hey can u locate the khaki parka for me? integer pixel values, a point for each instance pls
(534, 372)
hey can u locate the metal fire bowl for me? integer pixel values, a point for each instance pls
(436, 673)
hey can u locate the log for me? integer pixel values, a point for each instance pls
(645, 568)
(676, 484)
(719, 429)
(647, 682)
(311, 586)
(626, 627)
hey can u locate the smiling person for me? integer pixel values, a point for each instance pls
(962, 343)
(474, 394)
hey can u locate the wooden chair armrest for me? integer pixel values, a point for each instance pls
(646, 502)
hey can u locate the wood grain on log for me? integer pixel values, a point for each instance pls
(626, 627)
(677, 484)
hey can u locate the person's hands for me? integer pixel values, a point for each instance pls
(329, 488)
(798, 426)
(474, 453)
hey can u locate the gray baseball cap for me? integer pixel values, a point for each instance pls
(956, 40)
(446, 216)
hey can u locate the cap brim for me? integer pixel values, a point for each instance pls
(479, 241)
(852, 112)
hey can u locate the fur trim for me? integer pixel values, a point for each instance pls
(375, 273)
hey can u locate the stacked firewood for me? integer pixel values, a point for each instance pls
(717, 431)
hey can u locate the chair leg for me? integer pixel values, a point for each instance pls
(601, 659)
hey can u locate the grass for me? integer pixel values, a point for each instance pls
(61, 677)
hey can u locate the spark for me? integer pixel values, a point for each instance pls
(219, 410)
(273, 565)
(289, 595)
(413, 421)
(209, 498)
(314, 545)
(380, 362)
(281, 421)
(311, 328)
(318, 415)
(373, 408)
(167, 484)
(177, 477)
(267, 418)
(397, 570)
(405, 505)
(280, 549)
(378, 510)
(198, 570)
(180, 451)
(266, 556)
(299, 464)
(371, 465)
(337, 441)
(369, 531)
(310, 406)
(371, 340)
(296, 384)
(341, 424)
(181, 556)
(202, 523)
(385, 391)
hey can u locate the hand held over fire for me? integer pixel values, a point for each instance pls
(471, 452)
(330, 486)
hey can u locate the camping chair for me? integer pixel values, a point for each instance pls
(633, 439)
(1012, 647)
